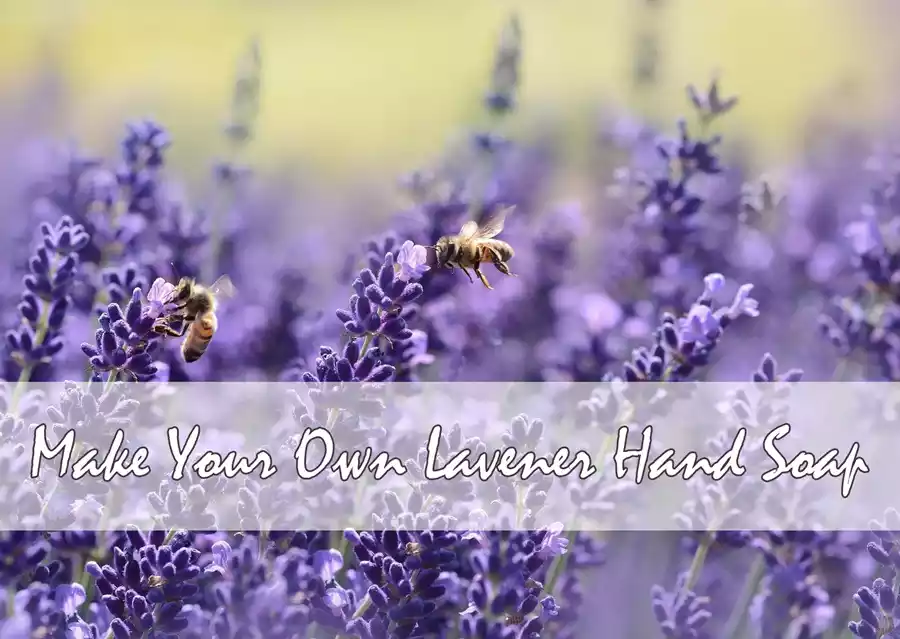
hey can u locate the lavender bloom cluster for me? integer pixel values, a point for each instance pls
(693, 271)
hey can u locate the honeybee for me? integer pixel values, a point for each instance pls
(514, 619)
(196, 309)
(155, 581)
(474, 245)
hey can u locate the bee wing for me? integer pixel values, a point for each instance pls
(223, 288)
(173, 293)
(468, 230)
(493, 226)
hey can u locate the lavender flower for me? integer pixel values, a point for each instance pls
(379, 311)
(147, 587)
(681, 614)
(222, 553)
(124, 342)
(505, 77)
(39, 610)
(350, 366)
(411, 262)
(403, 586)
(120, 281)
(143, 156)
(516, 600)
(46, 298)
(159, 302)
(711, 104)
(683, 344)
(144, 145)
(376, 308)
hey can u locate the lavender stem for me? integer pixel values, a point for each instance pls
(39, 337)
(738, 615)
(110, 380)
(697, 563)
(28, 369)
(559, 562)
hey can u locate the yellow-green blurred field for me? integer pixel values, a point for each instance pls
(382, 84)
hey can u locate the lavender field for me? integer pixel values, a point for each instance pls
(677, 259)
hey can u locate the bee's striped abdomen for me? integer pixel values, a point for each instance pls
(198, 337)
(205, 326)
(192, 351)
(486, 253)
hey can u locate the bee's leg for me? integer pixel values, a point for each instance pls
(499, 264)
(503, 267)
(162, 328)
(469, 275)
(483, 278)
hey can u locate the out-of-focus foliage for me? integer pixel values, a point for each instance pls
(355, 84)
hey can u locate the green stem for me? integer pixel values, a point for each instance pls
(343, 544)
(342, 547)
(363, 606)
(367, 343)
(738, 615)
(696, 567)
(110, 380)
(840, 369)
(39, 336)
(87, 582)
(263, 543)
(558, 567)
(520, 507)
(559, 562)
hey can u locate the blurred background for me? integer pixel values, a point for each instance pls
(354, 88)
(353, 94)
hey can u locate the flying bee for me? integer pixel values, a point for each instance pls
(475, 245)
(196, 310)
